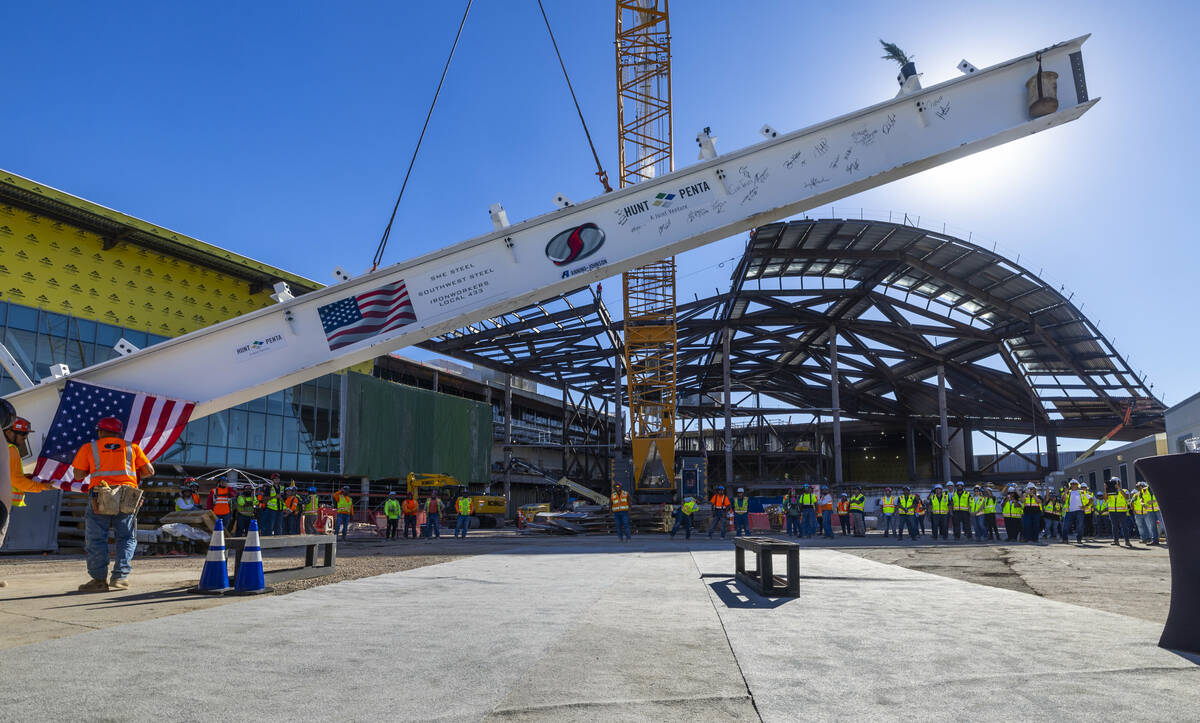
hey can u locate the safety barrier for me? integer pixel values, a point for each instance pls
(309, 542)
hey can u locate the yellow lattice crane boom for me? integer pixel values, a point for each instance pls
(643, 44)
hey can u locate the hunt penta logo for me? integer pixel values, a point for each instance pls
(574, 244)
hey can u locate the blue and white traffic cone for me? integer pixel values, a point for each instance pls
(214, 579)
(250, 579)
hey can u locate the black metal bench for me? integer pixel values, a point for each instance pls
(763, 580)
(277, 542)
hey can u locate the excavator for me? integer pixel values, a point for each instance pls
(488, 509)
(515, 265)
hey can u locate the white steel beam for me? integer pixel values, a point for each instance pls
(277, 347)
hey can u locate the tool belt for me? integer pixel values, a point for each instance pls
(119, 500)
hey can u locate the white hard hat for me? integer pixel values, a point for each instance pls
(741, 489)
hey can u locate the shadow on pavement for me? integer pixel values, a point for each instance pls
(735, 596)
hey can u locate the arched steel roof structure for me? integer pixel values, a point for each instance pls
(900, 302)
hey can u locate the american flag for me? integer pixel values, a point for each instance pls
(361, 317)
(154, 423)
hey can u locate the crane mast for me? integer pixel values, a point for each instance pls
(643, 45)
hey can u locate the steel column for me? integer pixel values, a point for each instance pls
(836, 403)
(910, 443)
(1052, 449)
(944, 431)
(728, 411)
(507, 446)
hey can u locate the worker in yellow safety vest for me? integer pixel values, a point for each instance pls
(887, 512)
(858, 504)
(391, 511)
(13, 490)
(345, 510)
(462, 506)
(271, 504)
(1031, 514)
(989, 515)
(907, 506)
(1012, 511)
(683, 518)
(111, 462)
(619, 503)
(1117, 506)
(1145, 506)
(960, 511)
(939, 510)
(741, 512)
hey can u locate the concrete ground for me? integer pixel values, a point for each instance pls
(586, 628)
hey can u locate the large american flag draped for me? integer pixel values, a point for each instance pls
(154, 423)
(361, 317)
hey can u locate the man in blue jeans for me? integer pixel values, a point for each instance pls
(741, 513)
(463, 507)
(433, 512)
(110, 462)
(808, 511)
(1073, 503)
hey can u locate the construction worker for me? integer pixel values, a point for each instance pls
(271, 503)
(920, 516)
(808, 511)
(462, 506)
(1052, 516)
(391, 510)
(683, 518)
(843, 513)
(1151, 515)
(825, 507)
(989, 515)
(858, 503)
(247, 504)
(1031, 513)
(906, 508)
(960, 512)
(111, 462)
(791, 510)
(887, 512)
(222, 504)
(291, 510)
(619, 503)
(345, 510)
(977, 514)
(12, 491)
(1117, 505)
(720, 519)
(1072, 503)
(433, 512)
(312, 505)
(410, 508)
(939, 510)
(188, 499)
(1013, 512)
(741, 513)
(1089, 512)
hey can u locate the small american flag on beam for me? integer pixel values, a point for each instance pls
(369, 314)
(153, 423)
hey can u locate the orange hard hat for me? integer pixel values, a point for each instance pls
(21, 425)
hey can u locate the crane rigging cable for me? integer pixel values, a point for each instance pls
(600, 172)
(387, 231)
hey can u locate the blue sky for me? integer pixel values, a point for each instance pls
(282, 130)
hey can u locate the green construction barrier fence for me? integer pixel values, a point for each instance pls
(392, 429)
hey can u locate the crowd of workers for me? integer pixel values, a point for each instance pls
(1029, 515)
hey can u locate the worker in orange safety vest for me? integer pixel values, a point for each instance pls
(12, 491)
(619, 502)
(720, 504)
(110, 461)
